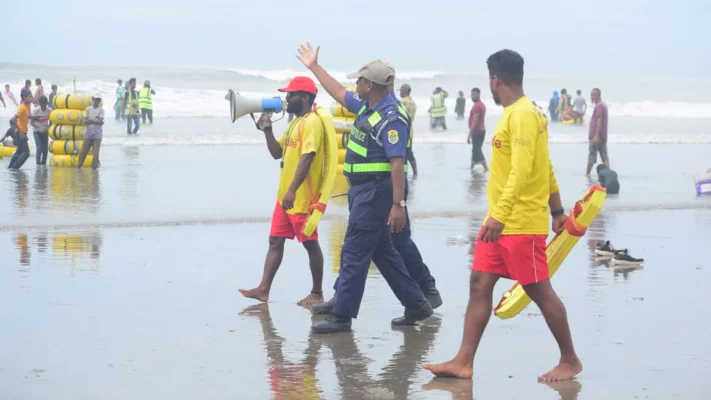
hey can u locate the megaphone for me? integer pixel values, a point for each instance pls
(241, 106)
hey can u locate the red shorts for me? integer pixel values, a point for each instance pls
(518, 257)
(290, 225)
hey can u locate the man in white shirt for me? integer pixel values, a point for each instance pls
(579, 108)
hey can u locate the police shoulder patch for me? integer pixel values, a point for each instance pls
(393, 136)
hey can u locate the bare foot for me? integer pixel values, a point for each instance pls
(452, 369)
(310, 300)
(257, 294)
(562, 372)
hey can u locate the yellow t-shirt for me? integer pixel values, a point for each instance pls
(521, 176)
(23, 118)
(303, 135)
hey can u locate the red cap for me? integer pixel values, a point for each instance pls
(301, 84)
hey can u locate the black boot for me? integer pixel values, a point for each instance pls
(325, 307)
(332, 324)
(432, 294)
(413, 314)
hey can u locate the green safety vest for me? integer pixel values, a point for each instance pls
(144, 99)
(438, 108)
(357, 160)
(132, 103)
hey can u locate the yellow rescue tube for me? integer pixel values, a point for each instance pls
(342, 140)
(343, 124)
(7, 151)
(341, 156)
(330, 161)
(67, 132)
(68, 161)
(67, 117)
(72, 101)
(337, 110)
(515, 300)
(339, 169)
(66, 147)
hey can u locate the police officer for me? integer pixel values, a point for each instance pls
(375, 169)
(408, 250)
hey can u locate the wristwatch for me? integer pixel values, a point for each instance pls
(555, 213)
(401, 203)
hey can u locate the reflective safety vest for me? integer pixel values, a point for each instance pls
(438, 109)
(365, 154)
(132, 103)
(144, 99)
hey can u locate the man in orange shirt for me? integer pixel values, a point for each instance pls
(301, 152)
(20, 122)
(522, 190)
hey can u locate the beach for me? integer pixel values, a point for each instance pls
(123, 282)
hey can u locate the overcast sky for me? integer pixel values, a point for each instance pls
(574, 38)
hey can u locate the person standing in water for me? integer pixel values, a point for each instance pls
(597, 135)
(477, 130)
(553, 106)
(438, 109)
(512, 242)
(461, 104)
(52, 95)
(130, 108)
(39, 91)
(301, 150)
(8, 94)
(94, 118)
(20, 122)
(118, 104)
(579, 107)
(145, 102)
(40, 126)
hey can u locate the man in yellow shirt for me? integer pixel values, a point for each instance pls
(522, 190)
(301, 152)
(20, 122)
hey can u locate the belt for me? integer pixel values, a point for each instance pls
(366, 179)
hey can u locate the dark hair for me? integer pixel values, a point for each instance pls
(38, 81)
(132, 80)
(599, 92)
(508, 66)
(600, 167)
(54, 86)
(476, 89)
(563, 91)
(24, 93)
(28, 82)
(43, 99)
(579, 91)
(119, 81)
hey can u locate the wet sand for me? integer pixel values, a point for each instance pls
(154, 312)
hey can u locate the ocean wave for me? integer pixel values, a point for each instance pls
(284, 75)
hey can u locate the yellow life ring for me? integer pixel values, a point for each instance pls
(66, 147)
(7, 151)
(67, 132)
(330, 161)
(67, 117)
(72, 101)
(68, 161)
(515, 299)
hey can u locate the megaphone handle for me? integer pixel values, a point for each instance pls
(255, 121)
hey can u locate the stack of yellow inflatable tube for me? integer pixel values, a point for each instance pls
(323, 193)
(68, 129)
(342, 123)
(7, 151)
(515, 300)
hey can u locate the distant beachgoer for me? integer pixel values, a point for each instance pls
(411, 108)
(597, 135)
(27, 88)
(3, 101)
(461, 103)
(438, 110)
(8, 94)
(477, 130)
(52, 94)
(20, 121)
(579, 108)
(553, 106)
(12, 135)
(565, 111)
(145, 101)
(608, 179)
(39, 91)
(94, 118)
(130, 108)
(118, 104)
(40, 127)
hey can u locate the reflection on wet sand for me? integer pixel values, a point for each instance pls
(297, 380)
(73, 188)
(287, 380)
(22, 243)
(21, 192)
(65, 246)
